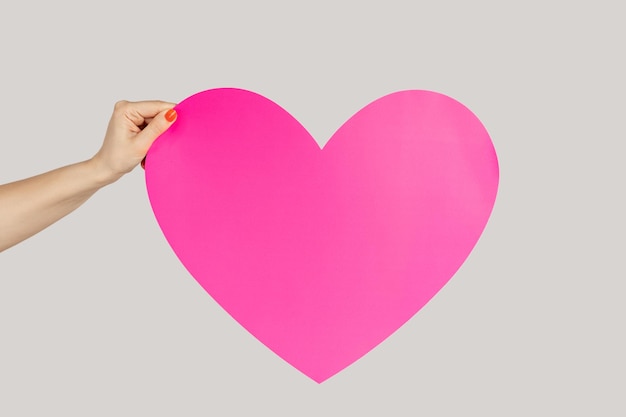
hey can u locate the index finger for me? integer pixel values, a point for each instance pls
(139, 111)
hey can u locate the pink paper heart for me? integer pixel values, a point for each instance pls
(321, 254)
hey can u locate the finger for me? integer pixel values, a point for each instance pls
(149, 109)
(140, 112)
(159, 124)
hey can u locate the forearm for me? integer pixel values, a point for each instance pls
(29, 206)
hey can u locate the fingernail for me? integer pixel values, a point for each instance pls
(143, 163)
(170, 116)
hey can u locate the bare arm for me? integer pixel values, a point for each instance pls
(29, 206)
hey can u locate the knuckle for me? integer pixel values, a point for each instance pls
(121, 105)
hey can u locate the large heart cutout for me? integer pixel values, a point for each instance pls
(321, 254)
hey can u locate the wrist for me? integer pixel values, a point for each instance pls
(101, 173)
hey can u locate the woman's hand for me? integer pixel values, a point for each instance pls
(132, 129)
(32, 204)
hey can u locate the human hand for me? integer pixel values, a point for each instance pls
(132, 129)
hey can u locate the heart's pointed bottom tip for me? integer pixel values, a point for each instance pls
(319, 379)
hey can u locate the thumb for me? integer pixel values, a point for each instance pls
(159, 124)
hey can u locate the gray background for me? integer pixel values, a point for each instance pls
(98, 317)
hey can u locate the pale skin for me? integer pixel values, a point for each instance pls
(30, 205)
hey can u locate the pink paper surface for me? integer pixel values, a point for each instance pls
(321, 254)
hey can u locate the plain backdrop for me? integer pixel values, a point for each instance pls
(99, 318)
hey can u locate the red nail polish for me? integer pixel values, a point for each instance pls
(170, 116)
(143, 163)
